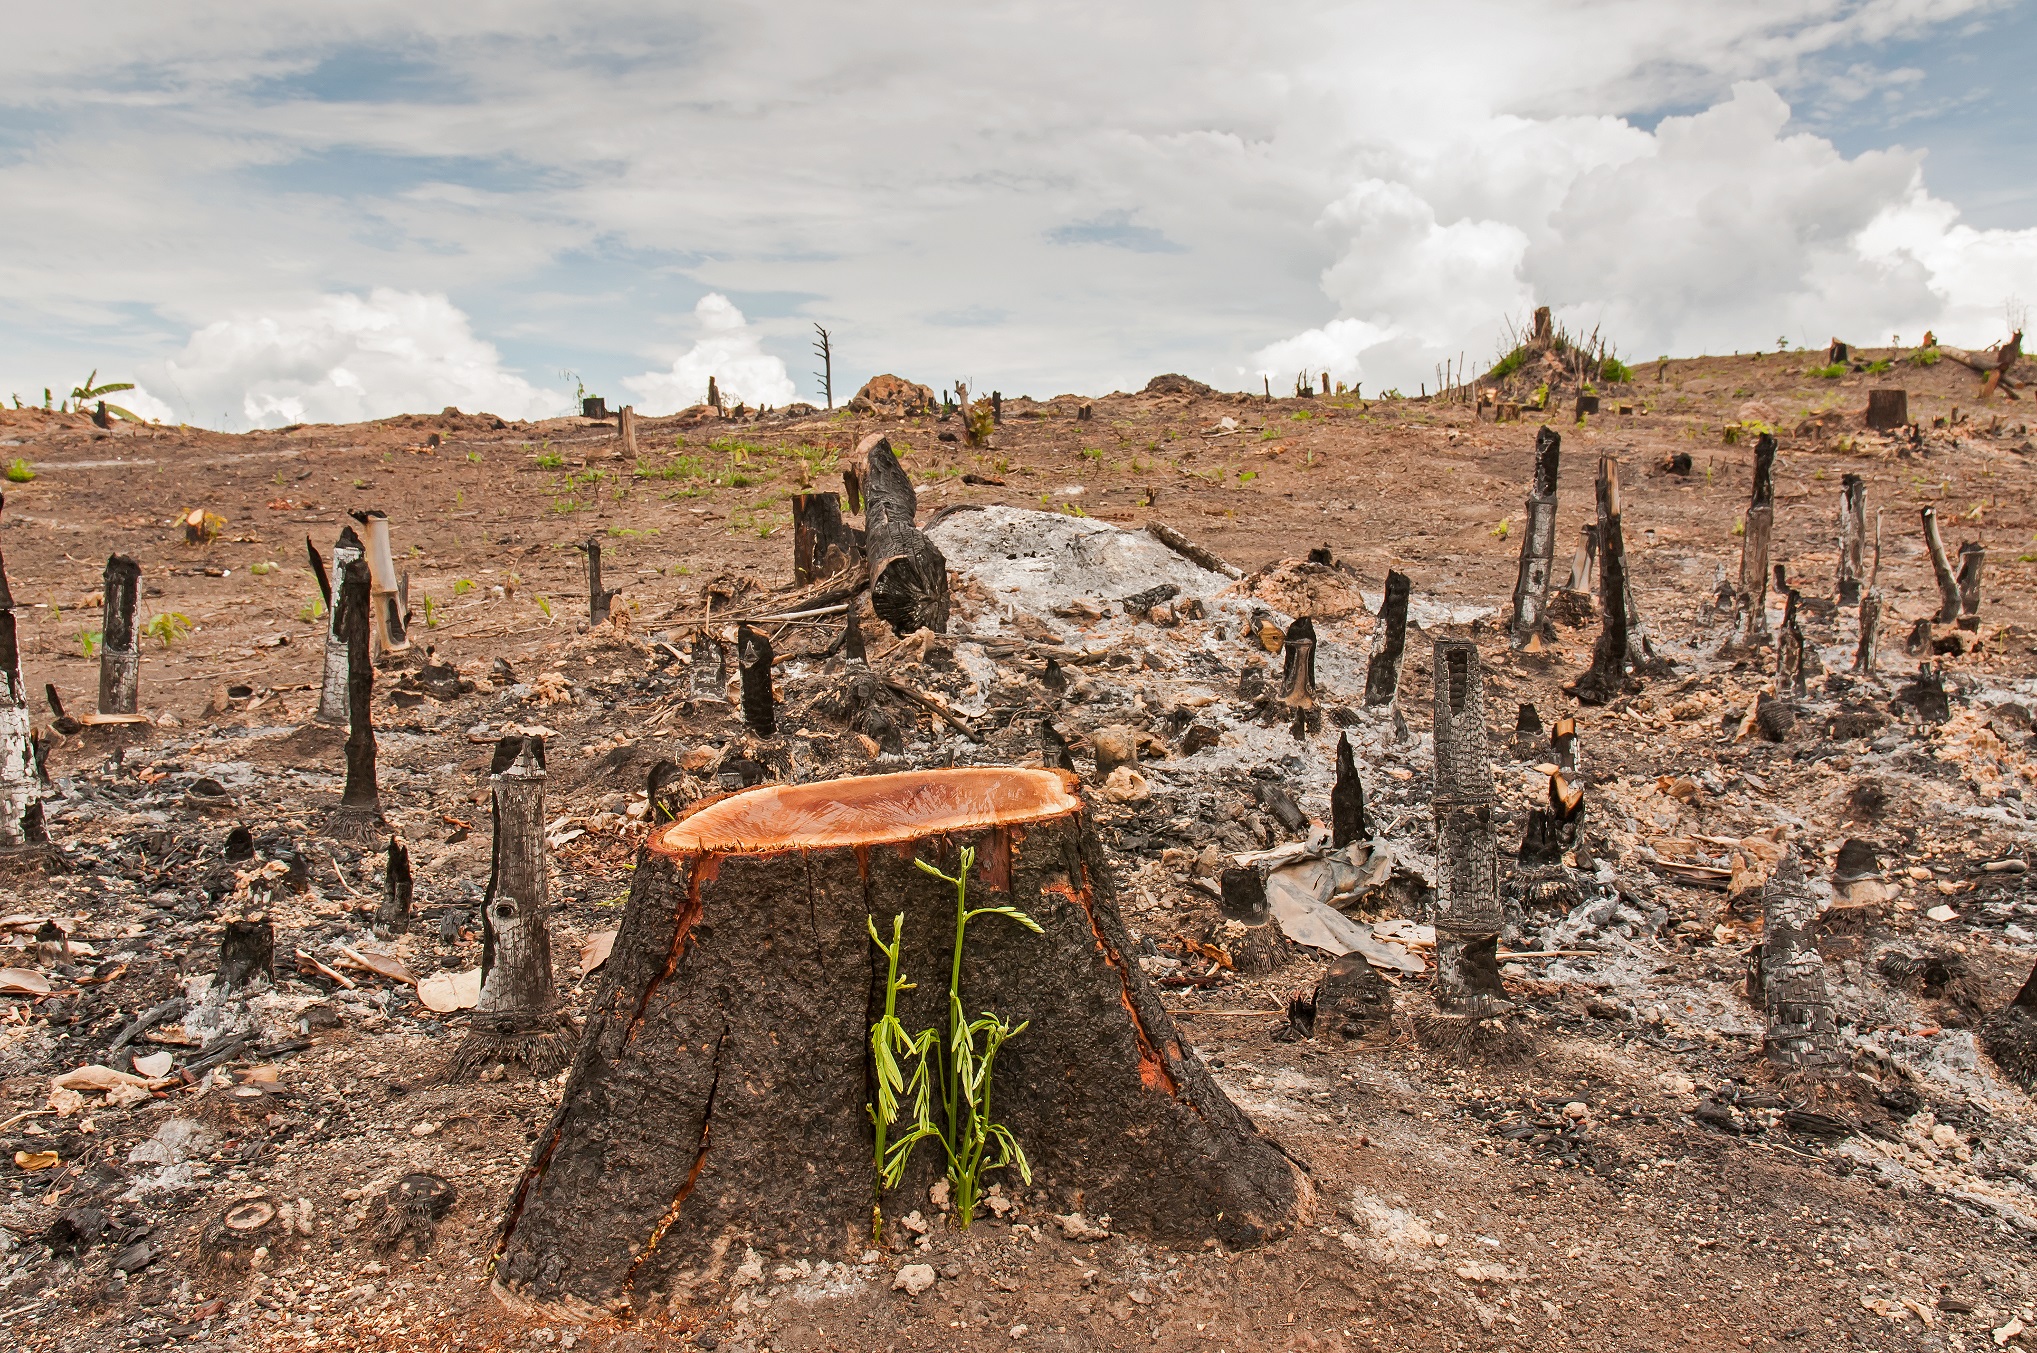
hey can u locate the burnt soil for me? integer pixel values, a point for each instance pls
(1460, 1205)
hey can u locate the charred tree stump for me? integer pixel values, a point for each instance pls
(599, 598)
(1865, 652)
(517, 1018)
(21, 812)
(1584, 561)
(717, 1103)
(1467, 896)
(1054, 753)
(626, 433)
(1751, 623)
(1803, 1033)
(753, 659)
(119, 639)
(1789, 653)
(360, 807)
(1389, 652)
(1538, 547)
(908, 574)
(385, 587)
(707, 667)
(1348, 820)
(1529, 734)
(1607, 678)
(247, 950)
(332, 691)
(393, 915)
(852, 633)
(1972, 558)
(1941, 569)
(1563, 745)
(2010, 1036)
(821, 543)
(1298, 677)
(1887, 410)
(1552, 831)
(1852, 538)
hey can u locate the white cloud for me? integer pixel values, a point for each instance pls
(343, 358)
(728, 350)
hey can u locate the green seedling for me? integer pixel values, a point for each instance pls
(313, 609)
(890, 1045)
(166, 627)
(19, 471)
(463, 586)
(89, 641)
(262, 568)
(543, 605)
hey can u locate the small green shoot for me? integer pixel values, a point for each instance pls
(89, 640)
(19, 471)
(166, 627)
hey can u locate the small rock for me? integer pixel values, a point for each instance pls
(913, 1279)
(1114, 746)
(1125, 785)
(1941, 912)
(1944, 1135)
(938, 1195)
(1075, 1226)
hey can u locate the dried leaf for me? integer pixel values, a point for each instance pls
(447, 991)
(23, 982)
(594, 952)
(35, 1160)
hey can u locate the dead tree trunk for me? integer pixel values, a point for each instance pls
(1852, 537)
(517, 1018)
(1972, 558)
(1467, 854)
(599, 599)
(393, 916)
(719, 1048)
(908, 575)
(1389, 652)
(1538, 546)
(384, 585)
(1803, 1034)
(626, 431)
(753, 659)
(821, 544)
(1941, 569)
(1607, 677)
(1887, 410)
(360, 807)
(1298, 676)
(1348, 820)
(1789, 653)
(707, 667)
(332, 692)
(119, 638)
(1751, 627)
(21, 821)
(247, 950)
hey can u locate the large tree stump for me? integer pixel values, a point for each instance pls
(1538, 546)
(717, 1100)
(119, 646)
(1887, 409)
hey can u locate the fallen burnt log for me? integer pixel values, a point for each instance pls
(718, 1101)
(908, 574)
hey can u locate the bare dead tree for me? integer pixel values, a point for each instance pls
(1538, 546)
(517, 1018)
(1941, 569)
(119, 638)
(824, 349)
(1852, 537)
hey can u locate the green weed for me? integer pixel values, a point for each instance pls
(19, 471)
(166, 627)
(89, 641)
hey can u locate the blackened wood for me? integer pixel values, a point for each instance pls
(707, 667)
(1552, 830)
(247, 950)
(360, 795)
(1280, 805)
(1530, 624)
(599, 598)
(1887, 409)
(1865, 652)
(1941, 569)
(753, 659)
(1054, 753)
(318, 572)
(21, 779)
(908, 574)
(1852, 537)
(663, 788)
(119, 638)
(1298, 665)
(397, 888)
(517, 1018)
(1054, 677)
(1836, 352)
(1757, 530)
(719, 1048)
(1199, 555)
(852, 633)
(332, 691)
(1241, 891)
(1972, 558)
(1348, 819)
(1803, 1033)
(1789, 652)
(1529, 733)
(1607, 677)
(1467, 911)
(1463, 765)
(821, 544)
(1382, 670)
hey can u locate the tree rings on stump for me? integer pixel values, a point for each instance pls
(717, 1099)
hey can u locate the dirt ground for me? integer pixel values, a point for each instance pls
(1634, 1181)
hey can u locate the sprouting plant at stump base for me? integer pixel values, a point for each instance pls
(970, 1138)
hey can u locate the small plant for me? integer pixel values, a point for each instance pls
(889, 1046)
(1876, 368)
(92, 390)
(166, 627)
(1828, 373)
(19, 471)
(312, 609)
(89, 641)
(431, 609)
(549, 459)
(262, 568)
(1615, 371)
(1925, 357)
(1499, 532)
(543, 604)
(463, 586)
(1094, 453)
(1247, 476)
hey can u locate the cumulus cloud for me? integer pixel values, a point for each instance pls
(729, 351)
(343, 358)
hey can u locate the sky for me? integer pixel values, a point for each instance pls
(266, 214)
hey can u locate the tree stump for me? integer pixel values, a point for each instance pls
(1382, 670)
(1530, 623)
(1941, 569)
(332, 691)
(1751, 625)
(717, 1102)
(119, 649)
(1852, 538)
(822, 545)
(1887, 409)
(908, 573)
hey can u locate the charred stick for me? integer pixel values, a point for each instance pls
(360, 794)
(1382, 671)
(753, 660)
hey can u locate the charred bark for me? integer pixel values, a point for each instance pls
(1529, 734)
(707, 667)
(852, 632)
(2010, 1036)
(1382, 671)
(517, 1018)
(1865, 652)
(360, 807)
(753, 659)
(119, 638)
(720, 1047)
(1607, 677)
(908, 574)
(247, 950)
(1803, 1032)
(599, 598)
(1467, 895)
(21, 812)
(1758, 528)
(1348, 820)
(1298, 676)
(1530, 624)
(1789, 652)
(821, 543)
(332, 692)
(1552, 831)
(393, 915)
(1941, 569)
(1972, 558)
(1852, 538)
